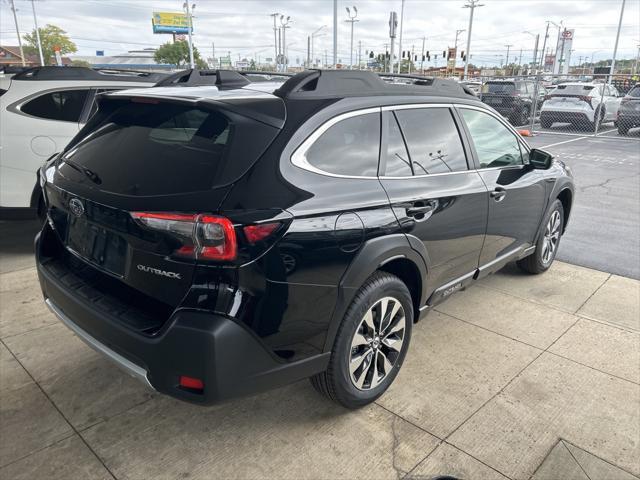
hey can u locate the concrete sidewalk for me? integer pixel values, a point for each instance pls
(519, 376)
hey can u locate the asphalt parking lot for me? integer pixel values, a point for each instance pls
(604, 229)
(518, 377)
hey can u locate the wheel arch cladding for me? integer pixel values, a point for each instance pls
(390, 251)
(566, 198)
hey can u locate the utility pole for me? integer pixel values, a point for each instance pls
(190, 23)
(359, 54)
(15, 19)
(455, 49)
(424, 39)
(352, 20)
(471, 5)
(393, 25)
(544, 46)
(335, 33)
(275, 39)
(506, 65)
(285, 24)
(213, 53)
(308, 51)
(400, 40)
(520, 62)
(35, 22)
(615, 47)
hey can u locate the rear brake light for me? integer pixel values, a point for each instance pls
(257, 233)
(203, 236)
(191, 383)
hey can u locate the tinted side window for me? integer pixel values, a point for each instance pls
(64, 106)
(350, 147)
(433, 140)
(395, 158)
(496, 145)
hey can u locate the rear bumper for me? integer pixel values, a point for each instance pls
(226, 356)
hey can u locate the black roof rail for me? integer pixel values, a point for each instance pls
(194, 77)
(354, 83)
(84, 73)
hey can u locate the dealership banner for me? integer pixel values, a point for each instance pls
(170, 22)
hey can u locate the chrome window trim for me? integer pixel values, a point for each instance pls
(414, 106)
(299, 156)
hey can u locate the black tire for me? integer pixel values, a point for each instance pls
(623, 129)
(545, 123)
(536, 263)
(335, 383)
(597, 117)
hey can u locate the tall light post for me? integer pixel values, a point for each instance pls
(400, 39)
(35, 22)
(506, 64)
(471, 5)
(284, 22)
(15, 19)
(352, 20)
(335, 33)
(188, 9)
(275, 38)
(313, 36)
(555, 56)
(455, 49)
(393, 25)
(615, 47)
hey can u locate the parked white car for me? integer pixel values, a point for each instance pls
(41, 109)
(581, 104)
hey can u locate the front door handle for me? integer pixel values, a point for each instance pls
(498, 194)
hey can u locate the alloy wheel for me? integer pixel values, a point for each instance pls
(551, 238)
(377, 343)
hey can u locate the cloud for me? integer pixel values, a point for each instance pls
(245, 28)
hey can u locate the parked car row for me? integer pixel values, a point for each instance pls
(582, 105)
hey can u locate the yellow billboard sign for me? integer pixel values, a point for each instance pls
(170, 22)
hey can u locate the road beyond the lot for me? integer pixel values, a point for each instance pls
(604, 229)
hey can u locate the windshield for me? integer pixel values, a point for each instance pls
(498, 87)
(634, 92)
(154, 148)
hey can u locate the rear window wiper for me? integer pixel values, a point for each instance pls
(88, 173)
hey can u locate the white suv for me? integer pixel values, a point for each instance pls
(40, 112)
(581, 104)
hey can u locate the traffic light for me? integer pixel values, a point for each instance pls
(444, 53)
(462, 54)
(428, 54)
(371, 54)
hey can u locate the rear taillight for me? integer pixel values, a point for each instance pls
(258, 233)
(202, 236)
(586, 98)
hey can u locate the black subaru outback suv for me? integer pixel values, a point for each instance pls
(220, 240)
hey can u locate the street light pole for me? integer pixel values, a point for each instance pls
(455, 49)
(506, 64)
(335, 33)
(471, 5)
(275, 38)
(15, 19)
(544, 47)
(284, 22)
(400, 40)
(190, 24)
(615, 47)
(35, 22)
(352, 20)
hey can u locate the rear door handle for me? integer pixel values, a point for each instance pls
(421, 212)
(498, 194)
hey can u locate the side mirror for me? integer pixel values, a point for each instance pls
(539, 159)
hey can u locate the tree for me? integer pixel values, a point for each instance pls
(178, 54)
(50, 37)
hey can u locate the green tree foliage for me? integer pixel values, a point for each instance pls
(50, 37)
(178, 54)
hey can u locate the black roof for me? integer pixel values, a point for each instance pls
(88, 74)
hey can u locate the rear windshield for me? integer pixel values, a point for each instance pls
(163, 148)
(501, 87)
(573, 89)
(634, 92)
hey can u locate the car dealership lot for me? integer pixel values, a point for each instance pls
(552, 379)
(480, 396)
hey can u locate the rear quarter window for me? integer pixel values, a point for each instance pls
(498, 87)
(64, 105)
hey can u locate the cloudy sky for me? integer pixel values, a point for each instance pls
(245, 28)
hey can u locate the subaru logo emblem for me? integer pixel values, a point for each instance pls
(76, 207)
